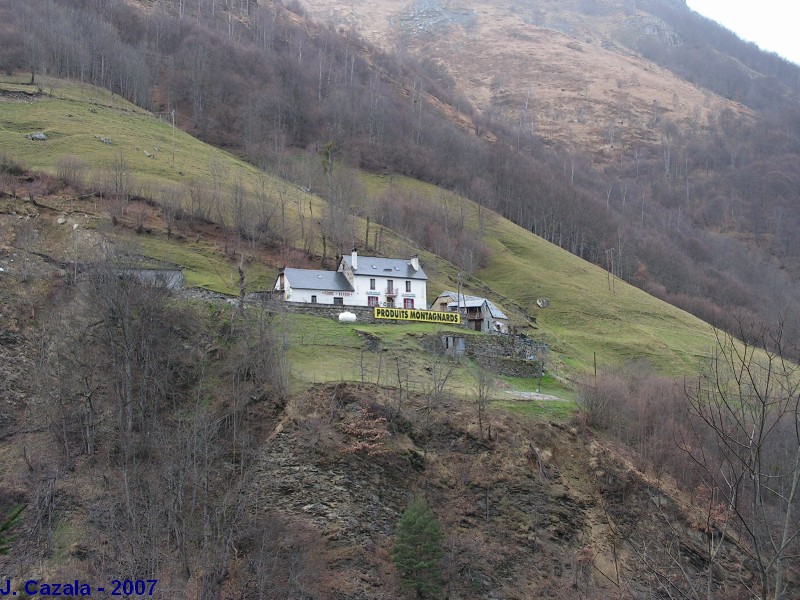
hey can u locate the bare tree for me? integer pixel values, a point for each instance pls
(746, 441)
(440, 369)
(117, 183)
(484, 384)
(72, 171)
(170, 197)
(199, 200)
(343, 191)
(219, 172)
(266, 210)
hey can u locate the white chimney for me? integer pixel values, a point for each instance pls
(354, 259)
(415, 262)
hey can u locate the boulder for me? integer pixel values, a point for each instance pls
(39, 136)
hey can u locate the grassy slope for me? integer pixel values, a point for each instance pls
(584, 316)
(74, 116)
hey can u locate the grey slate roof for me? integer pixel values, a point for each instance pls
(384, 267)
(308, 279)
(474, 301)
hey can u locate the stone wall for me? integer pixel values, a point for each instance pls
(512, 346)
(510, 367)
(508, 355)
(364, 314)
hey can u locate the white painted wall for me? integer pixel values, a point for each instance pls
(418, 292)
(362, 292)
(323, 296)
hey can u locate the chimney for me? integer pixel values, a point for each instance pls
(354, 259)
(415, 262)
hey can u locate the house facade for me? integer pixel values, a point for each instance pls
(389, 282)
(481, 314)
(358, 281)
(315, 287)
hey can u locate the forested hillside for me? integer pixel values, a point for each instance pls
(699, 214)
(205, 443)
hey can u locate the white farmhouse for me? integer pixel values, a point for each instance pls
(359, 281)
(392, 282)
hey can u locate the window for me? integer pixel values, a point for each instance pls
(338, 301)
(314, 299)
(390, 286)
(390, 302)
(372, 284)
(408, 303)
(408, 287)
(372, 301)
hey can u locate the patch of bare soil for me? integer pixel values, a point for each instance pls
(538, 510)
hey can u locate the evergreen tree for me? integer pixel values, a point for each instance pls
(5, 527)
(417, 550)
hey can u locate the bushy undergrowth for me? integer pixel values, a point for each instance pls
(730, 439)
(642, 410)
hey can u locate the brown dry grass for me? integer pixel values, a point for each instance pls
(575, 84)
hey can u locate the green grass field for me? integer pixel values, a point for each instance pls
(321, 350)
(585, 319)
(206, 267)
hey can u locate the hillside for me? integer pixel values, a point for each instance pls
(669, 134)
(696, 208)
(586, 315)
(324, 465)
(561, 70)
(231, 448)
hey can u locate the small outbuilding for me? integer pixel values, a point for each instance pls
(482, 314)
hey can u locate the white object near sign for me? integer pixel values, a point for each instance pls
(347, 317)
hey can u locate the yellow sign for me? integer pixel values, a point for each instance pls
(410, 314)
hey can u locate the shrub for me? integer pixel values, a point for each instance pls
(10, 165)
(72, 171)
(644, 411)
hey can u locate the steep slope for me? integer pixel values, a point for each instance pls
(277, 87)
(228, 484)
(558, 69)
(589, 313)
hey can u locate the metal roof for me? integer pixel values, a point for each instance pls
(309, 279)
(371, 266)
(472, 301)
(468, 303)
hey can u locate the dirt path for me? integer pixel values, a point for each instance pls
(533, 396)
